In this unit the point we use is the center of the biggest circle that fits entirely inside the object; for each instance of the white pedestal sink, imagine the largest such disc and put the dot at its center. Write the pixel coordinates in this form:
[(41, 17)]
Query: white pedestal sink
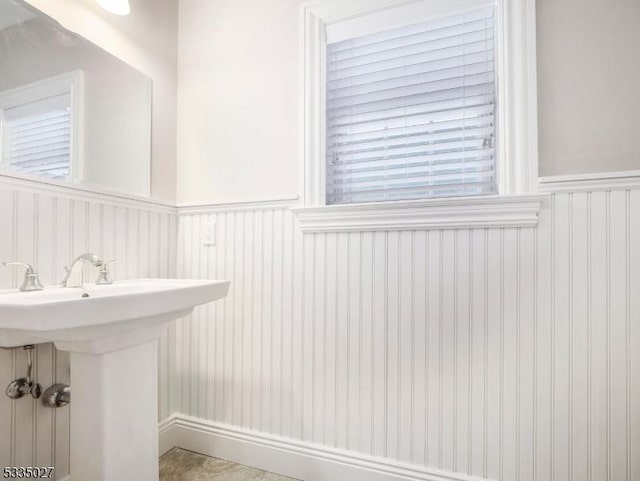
[(112, 337)]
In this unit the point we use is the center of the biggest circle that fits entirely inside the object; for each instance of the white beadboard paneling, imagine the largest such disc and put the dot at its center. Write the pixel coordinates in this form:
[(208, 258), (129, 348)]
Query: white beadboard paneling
[(502, 353), (47, 227), (366, 344), (579, 325), (379, 320), (561, 335), (478, 360), (448, 349), (406, 329), (618, 332), (434, 348), (633, 341), (599, 368), (541, 415)]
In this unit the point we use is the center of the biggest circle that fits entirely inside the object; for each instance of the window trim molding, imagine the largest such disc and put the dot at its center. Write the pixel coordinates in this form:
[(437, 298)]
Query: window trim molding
[(517, 119), (517, 97), (442, 213), (72, 82)]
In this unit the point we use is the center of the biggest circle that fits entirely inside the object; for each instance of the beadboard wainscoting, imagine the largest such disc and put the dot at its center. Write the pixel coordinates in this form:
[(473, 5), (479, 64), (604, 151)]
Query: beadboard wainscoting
[(48, 226), (501, 353)]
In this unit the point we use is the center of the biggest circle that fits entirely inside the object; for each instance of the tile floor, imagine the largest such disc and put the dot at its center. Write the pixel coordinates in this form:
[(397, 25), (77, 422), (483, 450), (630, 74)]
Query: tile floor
[(181, 465)]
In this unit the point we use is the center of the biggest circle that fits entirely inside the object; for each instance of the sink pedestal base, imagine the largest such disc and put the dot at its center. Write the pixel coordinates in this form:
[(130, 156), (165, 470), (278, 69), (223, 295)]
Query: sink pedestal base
[(111, 333), (114, 414)]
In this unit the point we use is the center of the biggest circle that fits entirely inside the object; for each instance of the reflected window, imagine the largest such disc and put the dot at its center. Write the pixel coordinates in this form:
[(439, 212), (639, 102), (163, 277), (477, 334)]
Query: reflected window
[(37, 128)]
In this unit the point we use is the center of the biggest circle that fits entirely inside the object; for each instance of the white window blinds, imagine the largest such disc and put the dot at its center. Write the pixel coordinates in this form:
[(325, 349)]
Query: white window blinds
[(411, 112), (36, 137)]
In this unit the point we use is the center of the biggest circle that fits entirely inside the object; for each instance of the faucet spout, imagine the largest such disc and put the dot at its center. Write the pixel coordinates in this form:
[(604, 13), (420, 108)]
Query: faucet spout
[(92, 259)]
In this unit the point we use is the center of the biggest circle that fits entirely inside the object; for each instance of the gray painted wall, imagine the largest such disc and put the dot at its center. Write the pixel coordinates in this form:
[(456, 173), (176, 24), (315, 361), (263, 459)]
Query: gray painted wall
[(588, 78)]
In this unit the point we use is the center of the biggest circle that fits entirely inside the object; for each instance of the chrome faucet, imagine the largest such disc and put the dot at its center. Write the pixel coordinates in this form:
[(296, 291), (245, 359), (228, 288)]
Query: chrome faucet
[(92, 259)]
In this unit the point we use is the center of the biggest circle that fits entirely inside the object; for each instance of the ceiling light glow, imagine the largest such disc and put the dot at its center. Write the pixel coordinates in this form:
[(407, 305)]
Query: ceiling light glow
[(117, 7)]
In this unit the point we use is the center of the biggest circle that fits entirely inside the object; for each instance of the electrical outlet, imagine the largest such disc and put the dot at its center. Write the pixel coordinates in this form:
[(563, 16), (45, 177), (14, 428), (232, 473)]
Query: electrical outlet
[(210, 234)]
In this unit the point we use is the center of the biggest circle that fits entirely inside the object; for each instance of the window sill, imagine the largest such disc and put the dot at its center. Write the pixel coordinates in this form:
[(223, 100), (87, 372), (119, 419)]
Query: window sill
[(447, 213)]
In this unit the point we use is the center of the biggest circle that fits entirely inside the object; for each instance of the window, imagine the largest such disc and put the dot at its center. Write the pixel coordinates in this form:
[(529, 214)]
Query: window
[(411, 112), (37, 128), (36, 137), (405, 134)]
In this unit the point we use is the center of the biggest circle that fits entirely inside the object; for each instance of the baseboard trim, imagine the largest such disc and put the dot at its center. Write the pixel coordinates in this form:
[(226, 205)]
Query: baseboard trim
[(290, 457), (167, 435)]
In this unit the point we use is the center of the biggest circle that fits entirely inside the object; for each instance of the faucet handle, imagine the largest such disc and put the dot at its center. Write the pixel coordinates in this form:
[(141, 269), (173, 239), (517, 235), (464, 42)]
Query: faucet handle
[(29, 267), (104, 276), (31, 281)]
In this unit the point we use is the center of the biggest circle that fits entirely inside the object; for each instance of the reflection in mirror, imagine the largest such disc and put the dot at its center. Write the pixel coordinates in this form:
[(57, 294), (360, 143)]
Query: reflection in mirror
[(39, 127), (69, 111)]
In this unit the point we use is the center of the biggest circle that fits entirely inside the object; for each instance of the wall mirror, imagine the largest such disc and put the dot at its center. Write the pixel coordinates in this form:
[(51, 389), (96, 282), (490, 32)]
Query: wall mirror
[(69, 111)]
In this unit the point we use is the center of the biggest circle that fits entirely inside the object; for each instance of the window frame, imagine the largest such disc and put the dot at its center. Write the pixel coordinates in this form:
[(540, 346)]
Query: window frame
[(70, 82), (516, 123)]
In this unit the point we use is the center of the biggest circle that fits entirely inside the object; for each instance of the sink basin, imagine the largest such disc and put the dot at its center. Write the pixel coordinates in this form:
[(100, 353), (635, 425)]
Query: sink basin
[(112, 316), (111, 333)]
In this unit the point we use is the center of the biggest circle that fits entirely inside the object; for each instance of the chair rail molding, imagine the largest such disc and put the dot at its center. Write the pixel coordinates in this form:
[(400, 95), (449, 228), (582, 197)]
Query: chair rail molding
[(83, 193), (605, 181), (277, 203)]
